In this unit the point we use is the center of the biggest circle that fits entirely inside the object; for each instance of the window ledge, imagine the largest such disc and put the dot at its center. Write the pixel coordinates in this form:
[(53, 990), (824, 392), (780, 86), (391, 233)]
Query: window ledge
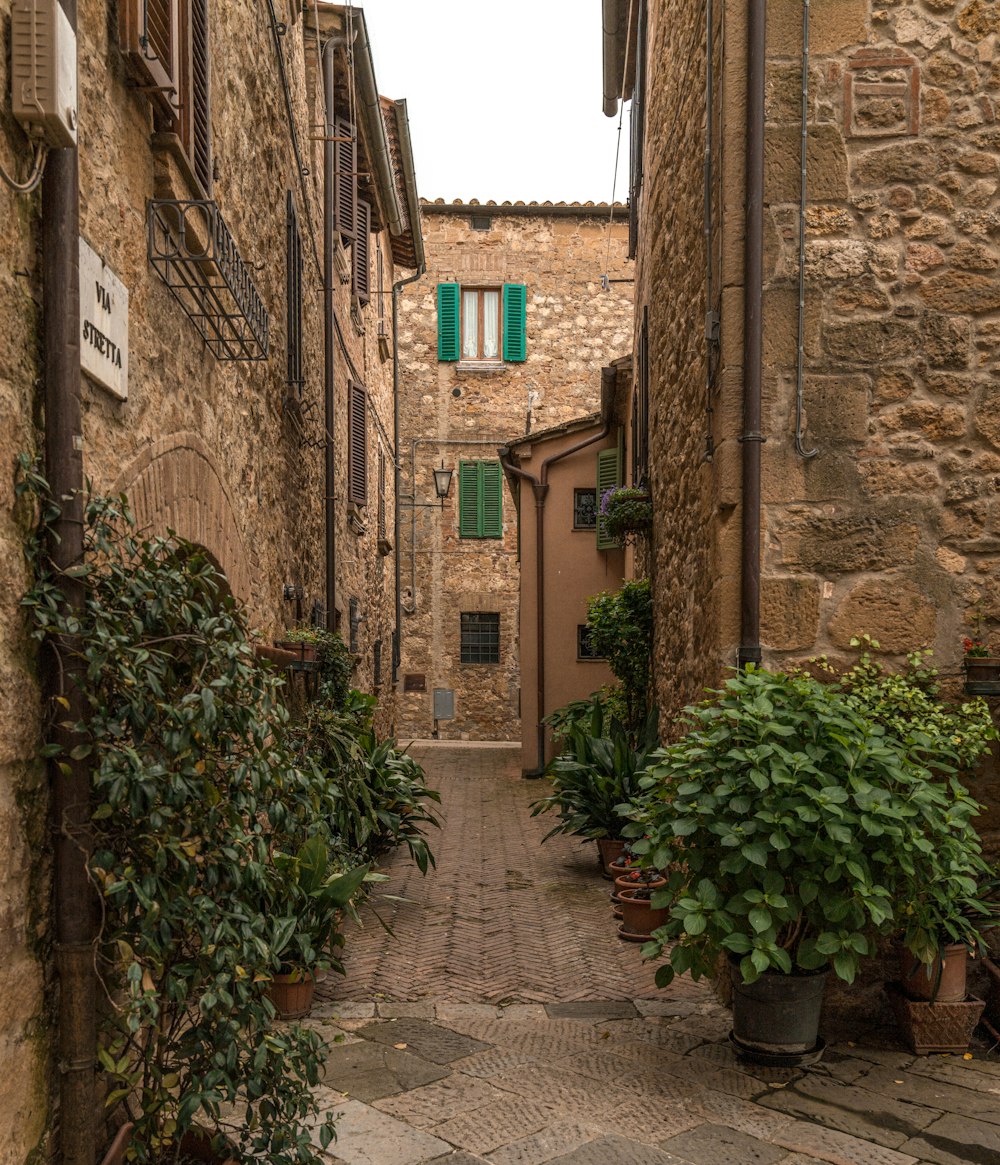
[(486, 366), (173, 177)]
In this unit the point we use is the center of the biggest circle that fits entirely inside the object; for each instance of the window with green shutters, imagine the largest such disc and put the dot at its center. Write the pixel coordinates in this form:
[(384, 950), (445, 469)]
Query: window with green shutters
[(480, 486), (608, 476), (452, 327)]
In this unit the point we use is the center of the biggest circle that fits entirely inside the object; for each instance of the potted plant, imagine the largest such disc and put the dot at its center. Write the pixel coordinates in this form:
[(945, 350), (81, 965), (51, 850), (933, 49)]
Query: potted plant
[(625, 511), (982, 667), (592, 777), (318, 893), (806, 830), (635, 894)]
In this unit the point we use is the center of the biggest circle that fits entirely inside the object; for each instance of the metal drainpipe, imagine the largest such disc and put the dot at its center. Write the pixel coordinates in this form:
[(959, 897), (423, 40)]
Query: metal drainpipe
[(540, 488), (329, 337), (74, 906), (753, 289), (397, 524)]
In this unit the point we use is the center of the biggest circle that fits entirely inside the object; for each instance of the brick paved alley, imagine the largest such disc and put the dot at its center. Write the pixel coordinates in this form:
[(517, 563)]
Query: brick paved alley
[(503, 1022)]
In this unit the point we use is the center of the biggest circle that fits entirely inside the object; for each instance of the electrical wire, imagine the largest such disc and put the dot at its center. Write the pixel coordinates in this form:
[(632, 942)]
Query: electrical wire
[(34, 179)]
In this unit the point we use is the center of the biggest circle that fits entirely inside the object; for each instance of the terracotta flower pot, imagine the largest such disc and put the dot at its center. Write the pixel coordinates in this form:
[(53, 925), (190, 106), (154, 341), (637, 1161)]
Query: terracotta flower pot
[(639, 919), (292, 995), (935, 1027), (943, 981), (305, 651), (608, 849)]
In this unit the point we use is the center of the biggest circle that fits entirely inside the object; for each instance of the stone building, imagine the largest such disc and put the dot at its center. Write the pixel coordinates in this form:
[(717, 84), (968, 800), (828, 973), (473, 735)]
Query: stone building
[(877, 433), (505, 338), (207, 393)]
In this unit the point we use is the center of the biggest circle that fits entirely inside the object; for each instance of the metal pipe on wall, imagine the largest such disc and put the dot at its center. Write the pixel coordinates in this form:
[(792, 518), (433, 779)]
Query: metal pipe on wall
[(753, 338), (329, 336), (74, 905)]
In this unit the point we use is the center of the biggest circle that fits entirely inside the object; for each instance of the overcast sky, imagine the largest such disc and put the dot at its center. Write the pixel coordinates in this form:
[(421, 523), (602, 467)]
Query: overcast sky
[(504, 98)]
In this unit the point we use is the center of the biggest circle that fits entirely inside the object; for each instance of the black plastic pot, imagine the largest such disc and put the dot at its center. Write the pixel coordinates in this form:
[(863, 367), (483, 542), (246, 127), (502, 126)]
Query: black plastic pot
[(776, 1018)]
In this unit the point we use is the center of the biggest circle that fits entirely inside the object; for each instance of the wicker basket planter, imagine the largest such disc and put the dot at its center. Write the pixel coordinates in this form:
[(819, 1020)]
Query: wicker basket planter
[(934, 1027)]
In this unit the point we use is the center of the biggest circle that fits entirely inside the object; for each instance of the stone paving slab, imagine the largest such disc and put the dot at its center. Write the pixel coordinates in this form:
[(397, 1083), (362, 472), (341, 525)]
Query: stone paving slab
[(531, 1036), (717, 1145)]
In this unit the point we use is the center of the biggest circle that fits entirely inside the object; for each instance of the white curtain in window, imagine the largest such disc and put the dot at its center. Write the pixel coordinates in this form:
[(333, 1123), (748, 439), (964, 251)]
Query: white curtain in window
[(470, 325), (491, 324)]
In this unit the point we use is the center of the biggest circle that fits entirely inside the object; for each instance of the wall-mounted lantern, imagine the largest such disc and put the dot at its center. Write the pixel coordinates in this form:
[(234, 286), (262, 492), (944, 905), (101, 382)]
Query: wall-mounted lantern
[(442, 482)]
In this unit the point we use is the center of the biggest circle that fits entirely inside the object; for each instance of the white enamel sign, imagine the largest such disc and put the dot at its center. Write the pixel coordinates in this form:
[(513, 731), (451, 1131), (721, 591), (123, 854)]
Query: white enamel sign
[(103, 324)]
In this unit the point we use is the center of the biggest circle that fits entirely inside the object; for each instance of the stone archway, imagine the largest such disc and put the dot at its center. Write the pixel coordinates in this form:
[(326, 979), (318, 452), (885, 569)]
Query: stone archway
[(175, 484)]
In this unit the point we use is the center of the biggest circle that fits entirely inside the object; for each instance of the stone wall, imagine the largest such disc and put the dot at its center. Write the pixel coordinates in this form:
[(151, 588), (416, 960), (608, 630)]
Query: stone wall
[(206, 448), (689, 589), (452, 413)]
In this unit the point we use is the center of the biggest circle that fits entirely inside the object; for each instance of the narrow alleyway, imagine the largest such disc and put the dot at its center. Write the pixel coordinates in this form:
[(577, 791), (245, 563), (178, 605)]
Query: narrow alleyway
[(504, 1022)]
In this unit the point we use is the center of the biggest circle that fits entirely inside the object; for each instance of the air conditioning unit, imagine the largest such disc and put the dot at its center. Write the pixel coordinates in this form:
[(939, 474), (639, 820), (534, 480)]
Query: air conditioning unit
[(43, 71)]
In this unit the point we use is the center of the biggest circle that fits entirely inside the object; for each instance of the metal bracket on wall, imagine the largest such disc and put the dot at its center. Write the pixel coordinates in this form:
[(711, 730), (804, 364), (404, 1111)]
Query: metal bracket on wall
[(190, 248)]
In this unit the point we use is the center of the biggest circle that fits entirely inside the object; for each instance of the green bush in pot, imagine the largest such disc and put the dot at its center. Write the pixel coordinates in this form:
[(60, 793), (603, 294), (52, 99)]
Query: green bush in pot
[(803, 824)]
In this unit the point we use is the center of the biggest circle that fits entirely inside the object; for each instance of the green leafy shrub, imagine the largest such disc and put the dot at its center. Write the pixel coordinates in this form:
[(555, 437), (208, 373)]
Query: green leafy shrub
[(378, 794), (621, 630), (335, 662), (194, 792), (806, 830), (597, 771)]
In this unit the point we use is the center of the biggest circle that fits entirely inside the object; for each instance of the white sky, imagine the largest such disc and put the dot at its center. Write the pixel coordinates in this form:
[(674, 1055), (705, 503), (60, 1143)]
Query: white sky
[(504, 97)]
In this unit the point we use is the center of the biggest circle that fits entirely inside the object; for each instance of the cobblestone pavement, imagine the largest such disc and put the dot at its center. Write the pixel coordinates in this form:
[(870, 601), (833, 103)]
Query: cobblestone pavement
[(506, 1024)]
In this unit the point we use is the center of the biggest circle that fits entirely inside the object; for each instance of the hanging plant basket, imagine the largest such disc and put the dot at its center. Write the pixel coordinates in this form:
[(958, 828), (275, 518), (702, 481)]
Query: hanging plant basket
[(625, 513)]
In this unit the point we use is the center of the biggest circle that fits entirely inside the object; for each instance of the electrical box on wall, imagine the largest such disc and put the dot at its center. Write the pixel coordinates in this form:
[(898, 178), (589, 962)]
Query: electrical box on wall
[(43, 71)]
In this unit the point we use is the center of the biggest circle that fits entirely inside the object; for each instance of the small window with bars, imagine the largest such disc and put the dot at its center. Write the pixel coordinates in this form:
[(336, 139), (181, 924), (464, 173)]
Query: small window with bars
[(293, 274), (585, 509), (377, 663), (584, 646), (480, 641)]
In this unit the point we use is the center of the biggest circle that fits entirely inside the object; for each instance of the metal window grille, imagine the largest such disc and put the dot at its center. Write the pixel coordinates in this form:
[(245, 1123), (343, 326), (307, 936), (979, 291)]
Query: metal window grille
[(585, 509), (293, 260), (481, 222), (480, 637), (584, 647)]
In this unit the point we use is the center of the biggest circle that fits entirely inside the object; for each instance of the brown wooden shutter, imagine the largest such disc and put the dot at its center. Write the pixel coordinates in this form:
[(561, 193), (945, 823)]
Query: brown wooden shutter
[(357, 443), (196, 111), (345, 182), (382, 523), (362, 253), (149, 34)]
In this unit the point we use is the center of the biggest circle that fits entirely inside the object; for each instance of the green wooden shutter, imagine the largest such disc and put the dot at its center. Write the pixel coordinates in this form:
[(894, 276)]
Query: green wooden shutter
[(490, 499), (608, 476), (515, 329), (468, 499), (448, 345)]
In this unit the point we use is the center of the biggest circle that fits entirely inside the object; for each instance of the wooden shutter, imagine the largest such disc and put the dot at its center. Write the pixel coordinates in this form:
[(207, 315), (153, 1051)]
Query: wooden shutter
[(361, 259), (608, 476), (468, 499), (196, 121), (490, 497), (293, 294), (357, 443), (149, 34), (448, 333), (345, 180), (382, 523), (514, 323)]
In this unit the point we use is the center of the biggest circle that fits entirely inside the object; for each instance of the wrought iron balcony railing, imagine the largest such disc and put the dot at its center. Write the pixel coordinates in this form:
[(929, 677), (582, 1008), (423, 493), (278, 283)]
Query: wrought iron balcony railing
[(191, 249)]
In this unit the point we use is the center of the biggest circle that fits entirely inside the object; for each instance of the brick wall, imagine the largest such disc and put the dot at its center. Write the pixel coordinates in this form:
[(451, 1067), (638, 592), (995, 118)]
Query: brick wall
[(573, 328)]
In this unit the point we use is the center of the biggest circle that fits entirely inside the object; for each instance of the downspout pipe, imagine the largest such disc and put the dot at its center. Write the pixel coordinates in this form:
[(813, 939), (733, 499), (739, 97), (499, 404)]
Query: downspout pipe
[(329, 337), (74, 904), (753, 344), (540, 488), (397, 520)]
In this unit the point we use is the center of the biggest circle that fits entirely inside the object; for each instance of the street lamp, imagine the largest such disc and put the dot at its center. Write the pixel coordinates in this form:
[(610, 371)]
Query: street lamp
[(442, 482)]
